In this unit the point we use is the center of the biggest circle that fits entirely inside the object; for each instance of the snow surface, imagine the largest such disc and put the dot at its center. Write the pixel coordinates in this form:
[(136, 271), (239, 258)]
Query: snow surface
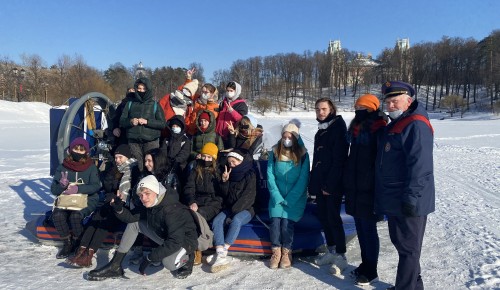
[(461, 245)]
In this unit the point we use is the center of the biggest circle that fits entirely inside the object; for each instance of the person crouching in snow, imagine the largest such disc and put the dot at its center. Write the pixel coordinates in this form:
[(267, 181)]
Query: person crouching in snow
[(287, 177), (166, 222), (76, 175), (238, 190)]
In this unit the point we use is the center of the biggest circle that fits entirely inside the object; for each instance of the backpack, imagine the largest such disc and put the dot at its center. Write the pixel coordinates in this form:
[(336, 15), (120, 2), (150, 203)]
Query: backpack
[(205, 234)]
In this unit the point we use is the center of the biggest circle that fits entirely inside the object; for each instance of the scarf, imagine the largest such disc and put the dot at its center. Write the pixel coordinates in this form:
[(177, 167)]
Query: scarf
[(77, 166), (239, 172), (126, 168), (326, 122)]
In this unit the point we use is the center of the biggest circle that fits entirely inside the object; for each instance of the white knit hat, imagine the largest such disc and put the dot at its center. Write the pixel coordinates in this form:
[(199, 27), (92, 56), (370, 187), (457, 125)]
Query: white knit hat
[(292, 128), (150, 182)]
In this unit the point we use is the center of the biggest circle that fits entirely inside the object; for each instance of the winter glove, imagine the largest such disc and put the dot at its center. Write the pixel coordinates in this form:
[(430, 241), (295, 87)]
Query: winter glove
[(109, 197), (408, 210), (64, 182), (72, 189), (144, 264), (117, 205)]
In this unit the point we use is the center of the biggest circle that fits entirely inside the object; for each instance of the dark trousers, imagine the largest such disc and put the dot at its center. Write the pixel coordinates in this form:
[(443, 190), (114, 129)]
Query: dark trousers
[(369, 243), (103, 221), (66, 219), (281, 232), (329, 215), (406, 235)]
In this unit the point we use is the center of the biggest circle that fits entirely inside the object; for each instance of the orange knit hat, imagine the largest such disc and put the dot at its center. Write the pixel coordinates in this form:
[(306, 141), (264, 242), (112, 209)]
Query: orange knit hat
[(368, 101), (210, 149)]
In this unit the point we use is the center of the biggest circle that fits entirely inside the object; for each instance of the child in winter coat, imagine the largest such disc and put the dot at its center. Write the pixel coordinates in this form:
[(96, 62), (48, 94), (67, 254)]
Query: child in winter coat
[(238, 190), (206, 133), (287, 177), (177, 146), (76, 175), (203, 187), (117, 183)]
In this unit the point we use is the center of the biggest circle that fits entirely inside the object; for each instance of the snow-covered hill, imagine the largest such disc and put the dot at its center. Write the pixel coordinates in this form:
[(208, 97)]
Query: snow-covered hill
[(461, 246)]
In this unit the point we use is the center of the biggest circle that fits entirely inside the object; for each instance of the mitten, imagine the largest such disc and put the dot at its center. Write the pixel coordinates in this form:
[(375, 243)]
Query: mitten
[(72, 189), (408, 209), (64, 182), (109, 197)]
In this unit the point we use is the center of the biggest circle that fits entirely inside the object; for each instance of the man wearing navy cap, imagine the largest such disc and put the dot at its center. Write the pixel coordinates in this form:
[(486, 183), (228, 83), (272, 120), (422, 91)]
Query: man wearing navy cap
[(404, 181)]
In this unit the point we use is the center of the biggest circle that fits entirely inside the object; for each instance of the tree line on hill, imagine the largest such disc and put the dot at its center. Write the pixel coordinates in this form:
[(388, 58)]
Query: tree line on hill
[(466, 71)]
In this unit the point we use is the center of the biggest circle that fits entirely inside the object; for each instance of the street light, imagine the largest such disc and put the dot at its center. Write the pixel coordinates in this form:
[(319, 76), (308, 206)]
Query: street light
[(140, 71), (19, 76)]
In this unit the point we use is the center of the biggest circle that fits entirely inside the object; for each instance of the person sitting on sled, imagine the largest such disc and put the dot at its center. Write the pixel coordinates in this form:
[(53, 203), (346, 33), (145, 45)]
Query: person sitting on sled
[(117, 183), (238, 190), (76, 175), (166, 222)]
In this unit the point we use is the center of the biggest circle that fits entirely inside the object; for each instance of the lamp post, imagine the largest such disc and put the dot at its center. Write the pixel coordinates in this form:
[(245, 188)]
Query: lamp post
[(19, 76), (139, 71)]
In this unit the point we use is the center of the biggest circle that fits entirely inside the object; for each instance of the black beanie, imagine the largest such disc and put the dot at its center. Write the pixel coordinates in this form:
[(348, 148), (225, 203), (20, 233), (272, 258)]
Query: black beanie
[(175, 121), (124, 150)]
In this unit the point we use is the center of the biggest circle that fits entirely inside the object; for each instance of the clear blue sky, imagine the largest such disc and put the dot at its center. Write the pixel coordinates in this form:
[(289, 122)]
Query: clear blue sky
[(216, 33)]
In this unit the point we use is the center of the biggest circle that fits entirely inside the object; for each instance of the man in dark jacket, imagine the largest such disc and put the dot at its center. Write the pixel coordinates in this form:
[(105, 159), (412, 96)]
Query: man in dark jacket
[(168, 223), (330, 153), (143, 120), (404, 179)]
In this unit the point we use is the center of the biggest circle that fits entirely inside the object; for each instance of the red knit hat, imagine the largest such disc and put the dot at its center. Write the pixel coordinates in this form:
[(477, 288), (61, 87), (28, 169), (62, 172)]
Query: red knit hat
[(204, 116), (368, 101)]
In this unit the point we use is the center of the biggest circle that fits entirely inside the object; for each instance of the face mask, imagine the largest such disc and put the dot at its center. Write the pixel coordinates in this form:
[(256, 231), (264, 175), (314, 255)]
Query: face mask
[(77, 156), (186, 92), (176, 130), (231, 94), (287, 143), (141, 94), (361, 114), (204, 163), (204, 96), (395, 114)]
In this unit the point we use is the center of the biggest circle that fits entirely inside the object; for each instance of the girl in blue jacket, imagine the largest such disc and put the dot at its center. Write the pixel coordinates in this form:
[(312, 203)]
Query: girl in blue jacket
[(287, 178)]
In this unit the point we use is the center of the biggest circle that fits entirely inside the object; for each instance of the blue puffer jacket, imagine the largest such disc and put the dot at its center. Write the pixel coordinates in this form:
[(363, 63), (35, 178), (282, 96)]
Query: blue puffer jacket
[(404, 165), (287, 185)]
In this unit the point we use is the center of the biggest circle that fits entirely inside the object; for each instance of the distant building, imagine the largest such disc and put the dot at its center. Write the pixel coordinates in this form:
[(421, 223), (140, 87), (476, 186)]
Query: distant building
[(403, 44)]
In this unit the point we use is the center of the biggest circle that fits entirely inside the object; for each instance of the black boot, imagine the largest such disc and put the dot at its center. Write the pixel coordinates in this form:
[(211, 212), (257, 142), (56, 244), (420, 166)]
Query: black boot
[(66, 249), (112, 270), (186, 270)]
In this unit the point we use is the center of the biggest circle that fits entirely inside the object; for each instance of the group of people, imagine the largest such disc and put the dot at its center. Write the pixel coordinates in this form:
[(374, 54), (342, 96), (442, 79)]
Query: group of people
[(194, 153)]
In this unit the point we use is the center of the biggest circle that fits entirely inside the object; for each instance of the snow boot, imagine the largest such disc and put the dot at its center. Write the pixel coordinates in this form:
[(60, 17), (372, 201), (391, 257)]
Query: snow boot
[(220, 260), (197, 258), (275, 258), (66, 249), (339, 264), (85, 260), (111, 270), (368, 276), (286, 258), (186, 270), (73, 261)]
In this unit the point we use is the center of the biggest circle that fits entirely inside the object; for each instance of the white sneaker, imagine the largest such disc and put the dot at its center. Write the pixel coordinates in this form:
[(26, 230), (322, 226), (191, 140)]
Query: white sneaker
[(324, 259), (221, 263), (339, 264)]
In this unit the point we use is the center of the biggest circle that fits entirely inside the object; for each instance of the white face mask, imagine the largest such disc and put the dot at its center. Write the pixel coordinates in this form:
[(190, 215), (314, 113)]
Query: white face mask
[(176, 130), (204, 96), (395, 114), (287, 143), (231, 94)]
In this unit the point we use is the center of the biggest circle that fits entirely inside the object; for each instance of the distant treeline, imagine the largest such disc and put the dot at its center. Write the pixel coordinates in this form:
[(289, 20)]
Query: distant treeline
[(452, 66)]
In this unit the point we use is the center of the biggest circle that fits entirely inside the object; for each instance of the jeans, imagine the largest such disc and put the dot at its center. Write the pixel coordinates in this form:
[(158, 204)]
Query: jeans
[(369, 243), (281, 232), (232, 227)]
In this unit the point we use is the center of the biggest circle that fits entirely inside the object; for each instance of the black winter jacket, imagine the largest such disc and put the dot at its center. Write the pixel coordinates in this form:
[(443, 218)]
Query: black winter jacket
[(359, 172), (171, 221), (239, 195), (177, 146), (204, 192), (330, 153)]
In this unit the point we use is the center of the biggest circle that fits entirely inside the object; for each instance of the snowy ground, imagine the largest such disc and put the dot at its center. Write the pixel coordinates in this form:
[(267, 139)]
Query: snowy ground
[(461, 246)]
